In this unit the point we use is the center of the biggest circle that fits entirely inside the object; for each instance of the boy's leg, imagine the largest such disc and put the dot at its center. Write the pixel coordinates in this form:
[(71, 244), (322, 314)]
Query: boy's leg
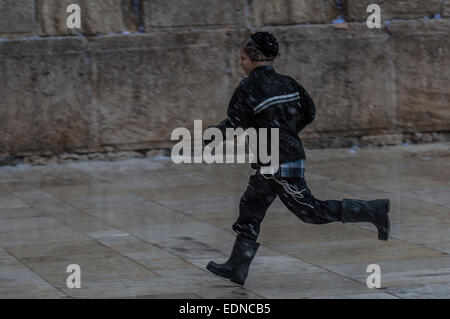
[(252, 209), (297, 197), (253, 206)]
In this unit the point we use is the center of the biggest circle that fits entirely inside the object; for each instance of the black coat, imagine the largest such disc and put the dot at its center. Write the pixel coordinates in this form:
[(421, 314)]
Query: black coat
[(267, 99)]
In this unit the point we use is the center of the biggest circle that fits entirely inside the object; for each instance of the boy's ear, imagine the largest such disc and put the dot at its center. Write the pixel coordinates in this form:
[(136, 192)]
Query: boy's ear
[(248, 32)]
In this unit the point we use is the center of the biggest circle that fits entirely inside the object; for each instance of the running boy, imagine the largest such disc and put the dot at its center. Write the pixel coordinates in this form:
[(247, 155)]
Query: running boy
[(267, 99)]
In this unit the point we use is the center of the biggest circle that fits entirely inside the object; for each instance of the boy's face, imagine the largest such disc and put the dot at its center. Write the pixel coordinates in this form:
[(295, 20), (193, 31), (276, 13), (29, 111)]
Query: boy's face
[(247, 64)]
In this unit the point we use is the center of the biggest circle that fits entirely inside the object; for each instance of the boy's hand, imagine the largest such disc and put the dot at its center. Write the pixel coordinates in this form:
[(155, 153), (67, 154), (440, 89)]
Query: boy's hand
[(208, 141)]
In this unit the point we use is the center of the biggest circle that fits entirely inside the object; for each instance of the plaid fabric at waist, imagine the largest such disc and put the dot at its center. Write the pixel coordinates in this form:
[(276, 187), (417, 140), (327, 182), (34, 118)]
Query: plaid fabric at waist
[(291, 169)]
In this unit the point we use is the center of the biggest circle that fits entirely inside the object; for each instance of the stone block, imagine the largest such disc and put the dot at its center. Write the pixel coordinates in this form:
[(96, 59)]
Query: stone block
[(445, 8), (194, 13), (356, 10), (346, 71), (149, 84), (421, 55), (16, 18), (46, 104), (97, 17), (379, 140), (285, 12)]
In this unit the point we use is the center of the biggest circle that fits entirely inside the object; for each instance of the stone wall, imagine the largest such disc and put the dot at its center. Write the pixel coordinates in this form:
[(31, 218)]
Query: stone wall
[(137, 69)]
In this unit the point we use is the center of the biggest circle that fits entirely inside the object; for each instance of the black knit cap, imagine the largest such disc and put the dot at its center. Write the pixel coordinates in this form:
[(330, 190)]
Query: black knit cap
[(266, 43)]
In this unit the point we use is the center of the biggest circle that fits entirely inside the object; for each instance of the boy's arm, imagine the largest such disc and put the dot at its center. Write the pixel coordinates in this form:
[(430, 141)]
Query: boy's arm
[(240, 114), (308, 109)]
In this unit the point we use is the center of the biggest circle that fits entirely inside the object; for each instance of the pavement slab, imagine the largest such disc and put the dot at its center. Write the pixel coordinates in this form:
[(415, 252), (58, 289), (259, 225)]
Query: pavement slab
[(146, 229)]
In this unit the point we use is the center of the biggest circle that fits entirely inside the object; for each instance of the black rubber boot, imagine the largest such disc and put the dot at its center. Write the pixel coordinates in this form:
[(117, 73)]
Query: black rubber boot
[(237, 266), (375, 212)]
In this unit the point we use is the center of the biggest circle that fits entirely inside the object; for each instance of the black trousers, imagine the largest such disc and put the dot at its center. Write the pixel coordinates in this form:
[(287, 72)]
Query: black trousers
[(293, 192)]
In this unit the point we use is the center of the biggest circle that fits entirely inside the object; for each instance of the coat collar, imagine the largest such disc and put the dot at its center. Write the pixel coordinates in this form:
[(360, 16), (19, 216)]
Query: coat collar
[(261, 69)]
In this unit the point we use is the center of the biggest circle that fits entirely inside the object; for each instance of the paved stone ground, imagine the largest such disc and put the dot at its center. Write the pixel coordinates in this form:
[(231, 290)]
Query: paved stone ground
[(146, 228)]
